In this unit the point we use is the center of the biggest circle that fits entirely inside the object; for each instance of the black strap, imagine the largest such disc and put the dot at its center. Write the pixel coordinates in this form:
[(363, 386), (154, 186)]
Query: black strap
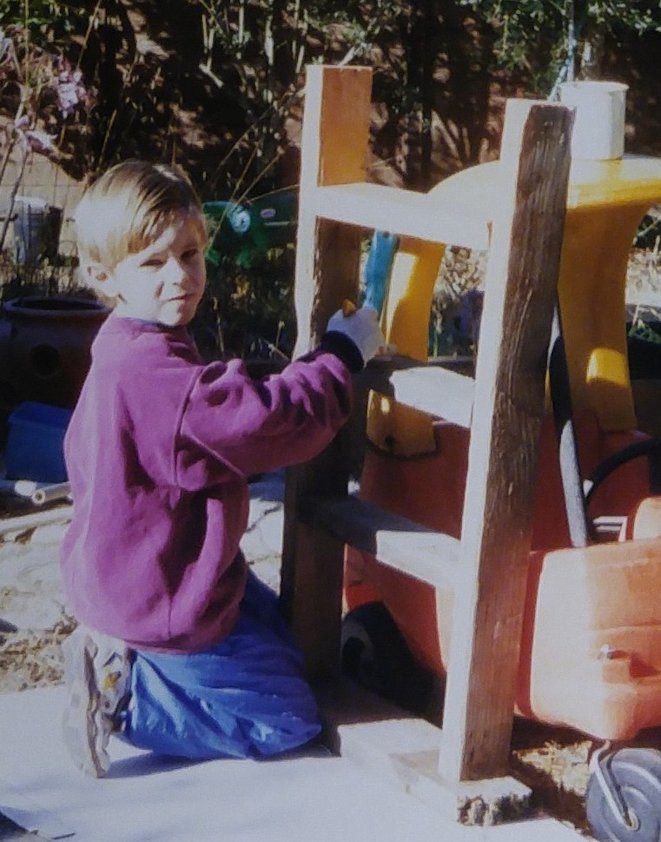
[(570, 471), (646, 447)]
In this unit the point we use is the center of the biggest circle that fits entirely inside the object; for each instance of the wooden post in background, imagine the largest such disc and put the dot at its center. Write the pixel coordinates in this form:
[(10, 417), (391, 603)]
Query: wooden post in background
[(334, 145), (334, 151)]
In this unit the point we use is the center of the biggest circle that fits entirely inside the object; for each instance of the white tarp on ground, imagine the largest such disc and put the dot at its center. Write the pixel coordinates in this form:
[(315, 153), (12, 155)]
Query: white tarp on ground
[(311, 796)]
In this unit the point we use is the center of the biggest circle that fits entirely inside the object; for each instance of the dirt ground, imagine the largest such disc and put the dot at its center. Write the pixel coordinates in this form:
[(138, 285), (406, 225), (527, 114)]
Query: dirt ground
[(33, 620)]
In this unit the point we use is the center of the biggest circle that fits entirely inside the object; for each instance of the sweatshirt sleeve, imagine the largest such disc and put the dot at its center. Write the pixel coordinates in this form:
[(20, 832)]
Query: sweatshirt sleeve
[(232, 422)]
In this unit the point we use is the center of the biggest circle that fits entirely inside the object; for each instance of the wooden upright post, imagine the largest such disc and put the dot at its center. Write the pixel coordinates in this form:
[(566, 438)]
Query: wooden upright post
[(334, 151), (520, 292)]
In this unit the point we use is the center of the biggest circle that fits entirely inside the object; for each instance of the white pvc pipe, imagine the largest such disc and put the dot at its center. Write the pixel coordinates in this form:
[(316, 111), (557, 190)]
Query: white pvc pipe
[(20, 487), (50, 493)]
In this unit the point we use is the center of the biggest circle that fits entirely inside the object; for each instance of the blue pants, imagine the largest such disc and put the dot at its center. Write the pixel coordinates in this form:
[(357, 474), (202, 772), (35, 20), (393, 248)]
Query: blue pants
[(243, 697)]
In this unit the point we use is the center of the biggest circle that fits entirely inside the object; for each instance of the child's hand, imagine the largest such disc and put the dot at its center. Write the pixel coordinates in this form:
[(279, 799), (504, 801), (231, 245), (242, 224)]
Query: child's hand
[(362, 328)]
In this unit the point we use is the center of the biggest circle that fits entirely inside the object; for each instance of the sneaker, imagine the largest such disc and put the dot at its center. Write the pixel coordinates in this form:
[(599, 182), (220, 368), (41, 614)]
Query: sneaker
[(98, 674)]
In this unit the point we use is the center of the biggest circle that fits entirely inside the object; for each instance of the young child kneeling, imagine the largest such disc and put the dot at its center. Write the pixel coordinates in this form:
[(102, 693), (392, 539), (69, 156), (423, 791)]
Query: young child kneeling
[(180, 649)]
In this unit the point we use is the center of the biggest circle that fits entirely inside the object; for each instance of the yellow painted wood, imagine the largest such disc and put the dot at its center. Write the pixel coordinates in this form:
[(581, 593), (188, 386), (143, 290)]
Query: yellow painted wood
[(328, 253)]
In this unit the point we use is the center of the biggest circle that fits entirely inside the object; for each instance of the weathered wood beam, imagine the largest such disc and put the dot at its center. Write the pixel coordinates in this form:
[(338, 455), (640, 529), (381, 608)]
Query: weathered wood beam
[(520, 293), (396, 541)]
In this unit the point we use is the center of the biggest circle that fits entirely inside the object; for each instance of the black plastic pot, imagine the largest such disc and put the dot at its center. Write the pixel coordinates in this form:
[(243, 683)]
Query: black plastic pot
[(45, 347)]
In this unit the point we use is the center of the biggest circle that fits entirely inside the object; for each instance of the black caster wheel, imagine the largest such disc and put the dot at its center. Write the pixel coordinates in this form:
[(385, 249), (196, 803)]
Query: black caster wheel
[(623, 801), (376, 656)]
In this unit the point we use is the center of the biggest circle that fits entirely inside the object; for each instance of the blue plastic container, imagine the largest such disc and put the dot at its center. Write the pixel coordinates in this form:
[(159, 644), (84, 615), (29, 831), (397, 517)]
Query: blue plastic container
[(35, 443)]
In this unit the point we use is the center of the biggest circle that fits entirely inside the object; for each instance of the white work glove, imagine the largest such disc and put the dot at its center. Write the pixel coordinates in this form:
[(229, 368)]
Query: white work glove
[(362, 328)]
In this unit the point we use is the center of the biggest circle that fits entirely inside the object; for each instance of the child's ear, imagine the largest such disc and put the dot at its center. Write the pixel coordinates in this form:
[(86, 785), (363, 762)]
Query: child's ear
[(98, 277)]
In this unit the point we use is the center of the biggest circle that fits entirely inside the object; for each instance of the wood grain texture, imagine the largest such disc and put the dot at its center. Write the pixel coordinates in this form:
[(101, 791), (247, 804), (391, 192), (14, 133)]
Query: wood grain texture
[(403, 212), (333, 151), (505, 408), (521, 288), (396, 541)]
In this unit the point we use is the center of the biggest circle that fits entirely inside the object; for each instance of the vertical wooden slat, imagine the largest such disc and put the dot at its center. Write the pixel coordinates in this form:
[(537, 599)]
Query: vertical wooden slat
[(313, 567), (334, 142), (520, 290), (334, 151)]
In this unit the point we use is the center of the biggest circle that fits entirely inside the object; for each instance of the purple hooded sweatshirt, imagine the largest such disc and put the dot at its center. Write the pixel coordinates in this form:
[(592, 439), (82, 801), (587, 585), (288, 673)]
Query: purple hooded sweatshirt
[(158, 453)]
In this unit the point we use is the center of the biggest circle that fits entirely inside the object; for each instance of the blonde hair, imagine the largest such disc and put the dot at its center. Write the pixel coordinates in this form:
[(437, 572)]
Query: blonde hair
[(129, 207)]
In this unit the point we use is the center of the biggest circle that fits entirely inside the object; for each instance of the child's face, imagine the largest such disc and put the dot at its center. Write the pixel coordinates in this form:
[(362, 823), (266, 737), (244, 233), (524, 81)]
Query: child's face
[(165, 281)]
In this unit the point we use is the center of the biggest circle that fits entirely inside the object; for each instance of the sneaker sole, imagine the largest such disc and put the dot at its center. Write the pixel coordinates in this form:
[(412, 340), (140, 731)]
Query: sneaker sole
[(82, 728)]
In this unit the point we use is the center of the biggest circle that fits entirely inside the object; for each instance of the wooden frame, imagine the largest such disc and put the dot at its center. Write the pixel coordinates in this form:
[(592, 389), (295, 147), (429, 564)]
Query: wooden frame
[(487, 568)]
